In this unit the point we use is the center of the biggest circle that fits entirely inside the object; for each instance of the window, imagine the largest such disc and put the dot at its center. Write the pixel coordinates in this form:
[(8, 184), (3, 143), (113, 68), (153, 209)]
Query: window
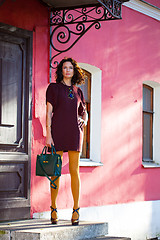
[(93, 157), (86, 88), (147, 123), (151, 120)]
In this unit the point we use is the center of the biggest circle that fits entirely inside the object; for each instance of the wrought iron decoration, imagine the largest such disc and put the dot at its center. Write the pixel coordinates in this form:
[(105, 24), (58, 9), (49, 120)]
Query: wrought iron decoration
[(69, 25)]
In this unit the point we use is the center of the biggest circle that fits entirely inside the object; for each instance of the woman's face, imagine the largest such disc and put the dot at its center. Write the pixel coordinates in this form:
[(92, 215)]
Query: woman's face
[(67, 70)]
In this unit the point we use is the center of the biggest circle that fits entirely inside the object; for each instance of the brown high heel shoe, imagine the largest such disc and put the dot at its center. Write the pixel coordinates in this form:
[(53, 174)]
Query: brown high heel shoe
[(75, 222), (53, 220)]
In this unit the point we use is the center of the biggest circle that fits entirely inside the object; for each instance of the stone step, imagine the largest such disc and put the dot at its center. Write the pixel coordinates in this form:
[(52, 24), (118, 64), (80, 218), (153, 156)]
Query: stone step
[(39, 229), (110, 238)]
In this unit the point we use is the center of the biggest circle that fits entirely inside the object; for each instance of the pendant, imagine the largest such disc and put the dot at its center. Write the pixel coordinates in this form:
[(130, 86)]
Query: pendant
[(70, 95)]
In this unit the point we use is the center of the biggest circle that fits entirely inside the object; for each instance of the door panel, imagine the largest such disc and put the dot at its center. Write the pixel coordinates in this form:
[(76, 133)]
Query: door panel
[(11, 88), (15, 65), (8, 187)]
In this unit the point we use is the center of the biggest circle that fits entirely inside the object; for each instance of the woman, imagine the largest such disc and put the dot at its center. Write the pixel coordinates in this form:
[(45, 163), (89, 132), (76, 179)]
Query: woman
[(65, 118)]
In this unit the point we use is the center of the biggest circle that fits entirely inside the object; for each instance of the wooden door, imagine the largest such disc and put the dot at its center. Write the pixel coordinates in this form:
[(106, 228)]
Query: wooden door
[(15, 79)]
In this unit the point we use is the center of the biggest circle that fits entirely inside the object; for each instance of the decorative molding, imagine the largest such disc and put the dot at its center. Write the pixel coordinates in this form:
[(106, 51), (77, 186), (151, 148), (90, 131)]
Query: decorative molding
[(145, 8)]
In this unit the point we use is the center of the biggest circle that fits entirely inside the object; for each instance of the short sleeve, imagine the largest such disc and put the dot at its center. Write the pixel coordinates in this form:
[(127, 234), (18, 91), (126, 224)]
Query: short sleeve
[(51, 94), (82, 106)]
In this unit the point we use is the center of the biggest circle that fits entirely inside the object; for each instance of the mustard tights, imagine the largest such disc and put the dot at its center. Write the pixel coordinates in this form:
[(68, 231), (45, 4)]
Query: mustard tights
[(75, 181)]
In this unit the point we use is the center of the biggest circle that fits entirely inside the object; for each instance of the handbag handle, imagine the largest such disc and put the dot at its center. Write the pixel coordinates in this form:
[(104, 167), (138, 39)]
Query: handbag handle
[(44, 151), (53, 148), (51, 181)]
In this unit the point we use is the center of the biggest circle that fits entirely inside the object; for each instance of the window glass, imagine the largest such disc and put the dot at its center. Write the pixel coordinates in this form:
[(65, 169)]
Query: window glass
[(147, 143), (86, 88), (147, 98), (147, 123)]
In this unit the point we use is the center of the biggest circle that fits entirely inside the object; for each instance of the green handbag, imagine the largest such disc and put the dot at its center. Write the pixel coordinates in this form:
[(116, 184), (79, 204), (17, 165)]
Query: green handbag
[(49, 165)]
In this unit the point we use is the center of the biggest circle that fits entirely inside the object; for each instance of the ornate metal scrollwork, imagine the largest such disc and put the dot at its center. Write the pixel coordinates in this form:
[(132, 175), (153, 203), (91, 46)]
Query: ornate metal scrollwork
[(68, 26)]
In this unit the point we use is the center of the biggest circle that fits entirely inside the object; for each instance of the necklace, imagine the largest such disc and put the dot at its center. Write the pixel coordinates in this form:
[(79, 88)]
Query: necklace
[(70, 94)]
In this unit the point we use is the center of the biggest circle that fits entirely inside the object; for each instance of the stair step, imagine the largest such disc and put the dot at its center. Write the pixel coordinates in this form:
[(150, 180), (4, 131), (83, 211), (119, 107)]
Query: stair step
[(40, 229), (110, 238)]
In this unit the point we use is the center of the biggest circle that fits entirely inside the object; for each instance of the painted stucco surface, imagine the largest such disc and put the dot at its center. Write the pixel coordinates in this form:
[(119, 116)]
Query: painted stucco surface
[(127, 52), (154, 2)]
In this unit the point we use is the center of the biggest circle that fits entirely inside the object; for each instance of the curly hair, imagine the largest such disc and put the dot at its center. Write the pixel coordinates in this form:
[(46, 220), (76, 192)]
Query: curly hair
[(78, 77)]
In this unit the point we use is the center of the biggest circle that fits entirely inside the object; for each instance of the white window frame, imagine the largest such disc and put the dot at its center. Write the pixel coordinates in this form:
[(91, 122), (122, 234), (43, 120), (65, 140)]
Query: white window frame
[(95, 116), (156, 121)]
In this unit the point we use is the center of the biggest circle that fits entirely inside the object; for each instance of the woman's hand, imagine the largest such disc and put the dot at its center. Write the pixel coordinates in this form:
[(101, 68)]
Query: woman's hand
[(82, 121), (49, 139)]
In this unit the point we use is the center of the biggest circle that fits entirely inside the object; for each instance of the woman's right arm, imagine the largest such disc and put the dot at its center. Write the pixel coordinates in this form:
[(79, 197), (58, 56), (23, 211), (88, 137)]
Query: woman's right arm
[(49, 109)]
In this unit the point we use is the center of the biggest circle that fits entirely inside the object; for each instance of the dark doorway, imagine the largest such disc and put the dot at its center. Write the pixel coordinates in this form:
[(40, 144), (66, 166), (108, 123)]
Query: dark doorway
[(15, 122)]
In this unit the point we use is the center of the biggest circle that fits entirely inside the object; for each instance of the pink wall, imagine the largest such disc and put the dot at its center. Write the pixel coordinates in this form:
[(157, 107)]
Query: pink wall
[(127, 52), (154, 2)]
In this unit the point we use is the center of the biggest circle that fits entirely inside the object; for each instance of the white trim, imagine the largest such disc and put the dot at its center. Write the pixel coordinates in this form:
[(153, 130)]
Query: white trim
[(95, 116), (144, 8), (89, 163), (156, 128), (137, 220), (150, 165)]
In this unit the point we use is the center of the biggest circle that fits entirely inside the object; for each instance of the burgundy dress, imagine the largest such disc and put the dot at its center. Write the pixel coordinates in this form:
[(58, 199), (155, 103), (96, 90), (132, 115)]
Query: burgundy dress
[(66, 132)]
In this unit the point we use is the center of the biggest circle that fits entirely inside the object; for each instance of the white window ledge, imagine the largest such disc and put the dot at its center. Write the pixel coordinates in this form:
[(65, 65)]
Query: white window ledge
[(150, 165), (89, 163)]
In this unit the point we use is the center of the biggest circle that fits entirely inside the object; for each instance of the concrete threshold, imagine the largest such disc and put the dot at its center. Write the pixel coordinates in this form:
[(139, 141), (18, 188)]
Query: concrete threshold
[(110, 238), (42, 229)]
